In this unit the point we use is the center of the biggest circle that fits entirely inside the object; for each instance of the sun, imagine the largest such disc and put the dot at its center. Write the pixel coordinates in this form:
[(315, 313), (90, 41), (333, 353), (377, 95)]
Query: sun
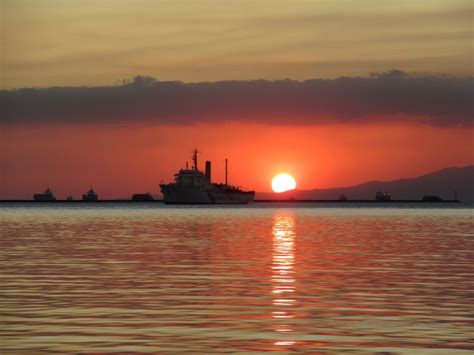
[(283, 182)]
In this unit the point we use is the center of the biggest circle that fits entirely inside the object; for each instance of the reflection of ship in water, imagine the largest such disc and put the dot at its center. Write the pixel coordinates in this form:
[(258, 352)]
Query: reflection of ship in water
[(283, 278), (90, 195), (192, 186), (47, 195)]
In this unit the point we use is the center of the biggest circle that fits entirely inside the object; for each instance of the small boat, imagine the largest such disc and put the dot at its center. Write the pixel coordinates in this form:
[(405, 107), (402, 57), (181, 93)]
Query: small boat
[(47, 195), (142, 197), (90, 195)]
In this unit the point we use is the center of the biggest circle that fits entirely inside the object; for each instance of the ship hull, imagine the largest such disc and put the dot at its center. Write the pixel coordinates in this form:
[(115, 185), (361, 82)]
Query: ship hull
[(234, 199), (185, 195), (43, 198), (194, 196), (89, 199)]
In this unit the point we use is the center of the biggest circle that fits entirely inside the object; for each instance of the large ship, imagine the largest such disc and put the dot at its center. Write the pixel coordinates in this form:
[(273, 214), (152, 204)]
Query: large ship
[(192, 186)]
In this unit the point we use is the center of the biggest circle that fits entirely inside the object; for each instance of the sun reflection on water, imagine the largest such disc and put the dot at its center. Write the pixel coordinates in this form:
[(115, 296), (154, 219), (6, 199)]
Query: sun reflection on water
[(283, 280)]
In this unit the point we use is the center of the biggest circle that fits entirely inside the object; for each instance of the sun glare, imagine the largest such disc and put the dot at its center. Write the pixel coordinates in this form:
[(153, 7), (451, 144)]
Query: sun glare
[(283, 182)]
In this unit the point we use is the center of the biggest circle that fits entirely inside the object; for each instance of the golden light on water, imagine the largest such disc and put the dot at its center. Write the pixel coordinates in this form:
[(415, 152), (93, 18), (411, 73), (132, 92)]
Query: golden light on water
[(283, 277)]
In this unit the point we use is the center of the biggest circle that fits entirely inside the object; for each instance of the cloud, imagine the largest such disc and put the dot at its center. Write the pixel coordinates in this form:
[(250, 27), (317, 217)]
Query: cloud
[(381, 97)]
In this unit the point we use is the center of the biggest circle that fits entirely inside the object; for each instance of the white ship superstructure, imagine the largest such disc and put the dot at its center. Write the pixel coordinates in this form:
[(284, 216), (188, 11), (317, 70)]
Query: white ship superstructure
[(192, 186)]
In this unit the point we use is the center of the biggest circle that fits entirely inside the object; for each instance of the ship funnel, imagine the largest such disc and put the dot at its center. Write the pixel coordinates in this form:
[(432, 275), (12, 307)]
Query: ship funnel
[(208, 170)]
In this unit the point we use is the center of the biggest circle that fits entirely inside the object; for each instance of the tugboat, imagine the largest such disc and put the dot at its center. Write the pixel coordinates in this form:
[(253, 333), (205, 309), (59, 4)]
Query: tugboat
[(47, 195), (90, 196), (192, 186)]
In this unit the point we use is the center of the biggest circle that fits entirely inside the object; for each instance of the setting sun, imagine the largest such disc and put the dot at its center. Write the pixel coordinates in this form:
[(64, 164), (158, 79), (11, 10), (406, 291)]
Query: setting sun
[(283, 182)]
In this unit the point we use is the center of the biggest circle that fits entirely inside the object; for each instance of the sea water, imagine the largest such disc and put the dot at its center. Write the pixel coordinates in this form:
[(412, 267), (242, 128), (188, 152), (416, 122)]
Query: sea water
[(278, 277)]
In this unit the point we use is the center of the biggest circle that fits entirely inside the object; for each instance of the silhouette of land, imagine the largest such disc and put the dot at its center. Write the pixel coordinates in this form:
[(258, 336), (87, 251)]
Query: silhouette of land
[(449, 184)]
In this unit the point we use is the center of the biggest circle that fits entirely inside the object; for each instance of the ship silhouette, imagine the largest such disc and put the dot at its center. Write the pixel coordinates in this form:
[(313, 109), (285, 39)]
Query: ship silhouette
[(146, 197), (47, 195), (90, 195), (192, 186)]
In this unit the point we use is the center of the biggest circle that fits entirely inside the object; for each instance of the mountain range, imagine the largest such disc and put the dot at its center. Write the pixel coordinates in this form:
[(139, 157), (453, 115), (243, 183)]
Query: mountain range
[(447, 183)]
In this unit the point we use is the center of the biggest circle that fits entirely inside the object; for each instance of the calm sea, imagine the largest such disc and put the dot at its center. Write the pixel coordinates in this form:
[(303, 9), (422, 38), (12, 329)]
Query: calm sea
[(310, 278)]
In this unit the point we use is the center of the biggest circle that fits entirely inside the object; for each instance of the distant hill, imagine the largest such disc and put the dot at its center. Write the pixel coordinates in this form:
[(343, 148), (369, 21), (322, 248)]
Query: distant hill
[(441, 183)]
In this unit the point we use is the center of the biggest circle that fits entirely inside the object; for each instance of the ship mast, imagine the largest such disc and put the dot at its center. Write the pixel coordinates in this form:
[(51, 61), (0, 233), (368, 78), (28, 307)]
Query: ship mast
[(195, 158), (226, 172)]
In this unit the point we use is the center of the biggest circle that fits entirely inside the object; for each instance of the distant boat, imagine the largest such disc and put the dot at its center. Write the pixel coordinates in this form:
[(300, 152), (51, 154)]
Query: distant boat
[(47, 195), (432, 198), (384, 197), (90, 195), (192, 186), (142, 197), (69, 198), (343, 197)]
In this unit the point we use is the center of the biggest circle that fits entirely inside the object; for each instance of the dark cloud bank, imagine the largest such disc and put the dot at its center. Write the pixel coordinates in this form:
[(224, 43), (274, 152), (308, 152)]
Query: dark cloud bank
[(381, 97)]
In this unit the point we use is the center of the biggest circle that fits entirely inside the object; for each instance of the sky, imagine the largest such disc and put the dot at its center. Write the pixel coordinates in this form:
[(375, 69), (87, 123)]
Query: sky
[(70, 43), (116, 94)]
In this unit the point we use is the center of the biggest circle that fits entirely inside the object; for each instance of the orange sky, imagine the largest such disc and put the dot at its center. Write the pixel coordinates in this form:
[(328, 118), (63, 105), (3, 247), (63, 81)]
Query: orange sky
[(121, 160), (89, 127)]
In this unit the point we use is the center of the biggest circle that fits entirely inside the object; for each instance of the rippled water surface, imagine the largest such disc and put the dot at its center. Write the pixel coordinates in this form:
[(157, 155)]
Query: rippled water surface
[(147, 278)]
